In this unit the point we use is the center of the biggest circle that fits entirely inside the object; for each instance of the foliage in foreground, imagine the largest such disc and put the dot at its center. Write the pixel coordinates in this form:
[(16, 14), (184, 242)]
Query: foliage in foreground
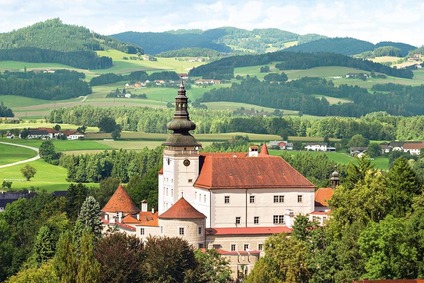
[(375, 232)]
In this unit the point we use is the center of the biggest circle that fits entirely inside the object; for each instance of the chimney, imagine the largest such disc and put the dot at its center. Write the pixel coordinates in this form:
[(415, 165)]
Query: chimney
[(288, 218), (144, 205), (253, 151)]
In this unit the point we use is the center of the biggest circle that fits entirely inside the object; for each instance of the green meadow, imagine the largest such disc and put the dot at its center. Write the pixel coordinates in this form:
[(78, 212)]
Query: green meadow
[(11, 154), (48, 177), (340, 158)]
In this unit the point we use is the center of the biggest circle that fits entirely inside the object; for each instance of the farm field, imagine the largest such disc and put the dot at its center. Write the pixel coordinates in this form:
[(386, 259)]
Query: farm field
[(41, 124), (340, 158), (62, 145), (335, 73), (48, 177), (11, 154)]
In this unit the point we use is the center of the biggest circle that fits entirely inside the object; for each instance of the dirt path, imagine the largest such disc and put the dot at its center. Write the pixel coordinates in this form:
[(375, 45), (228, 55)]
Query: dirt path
[(22, 161)]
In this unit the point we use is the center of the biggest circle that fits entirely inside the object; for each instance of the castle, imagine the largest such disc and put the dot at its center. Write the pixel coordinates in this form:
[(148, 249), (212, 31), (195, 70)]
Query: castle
[(227, 201)]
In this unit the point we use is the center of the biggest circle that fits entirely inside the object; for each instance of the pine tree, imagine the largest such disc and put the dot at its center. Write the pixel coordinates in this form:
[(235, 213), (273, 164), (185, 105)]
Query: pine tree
[(90, 215), (44, 246), (403, 185), (88, 267), (65, 262)]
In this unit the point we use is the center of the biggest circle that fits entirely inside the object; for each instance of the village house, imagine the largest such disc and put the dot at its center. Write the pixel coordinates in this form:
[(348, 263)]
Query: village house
[(283, 145), (319, 147), (207, 82), (227, 201), (49, 133), (413, 148)]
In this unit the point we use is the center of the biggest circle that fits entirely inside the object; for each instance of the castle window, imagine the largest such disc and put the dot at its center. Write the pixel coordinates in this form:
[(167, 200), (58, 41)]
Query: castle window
[(260, 247), (278, 198), (233, 247), (299, 198), (227, 199), (278, 219), (142, 231), (256, 220), (200, 245), (238, 220), (190, 180), (200, 230), (252, 199), (181, 231), (245, 247)]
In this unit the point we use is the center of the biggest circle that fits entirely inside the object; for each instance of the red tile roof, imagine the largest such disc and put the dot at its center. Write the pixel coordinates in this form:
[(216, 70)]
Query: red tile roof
[(245, 253), (413, 145), (148, 219), (120, 225), (319, 213), (249, 230), (182, 209), (226, 171), (264, 150), (323, 195), (120, 202)]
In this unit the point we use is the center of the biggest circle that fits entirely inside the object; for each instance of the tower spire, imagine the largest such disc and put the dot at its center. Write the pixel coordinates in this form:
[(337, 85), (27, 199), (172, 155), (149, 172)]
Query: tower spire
[(181, 124)]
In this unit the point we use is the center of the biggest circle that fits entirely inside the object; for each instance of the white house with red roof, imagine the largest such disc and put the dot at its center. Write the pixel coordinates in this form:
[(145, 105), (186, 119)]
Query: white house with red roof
[(228, 201)]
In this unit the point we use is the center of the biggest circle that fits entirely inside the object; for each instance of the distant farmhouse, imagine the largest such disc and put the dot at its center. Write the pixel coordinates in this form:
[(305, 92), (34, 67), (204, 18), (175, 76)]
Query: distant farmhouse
[(283, 145), (319, 147), (49, 133), (413, 148)]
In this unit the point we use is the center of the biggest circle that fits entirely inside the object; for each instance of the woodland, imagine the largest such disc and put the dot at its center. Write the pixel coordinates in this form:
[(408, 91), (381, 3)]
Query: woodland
[(377, 221)]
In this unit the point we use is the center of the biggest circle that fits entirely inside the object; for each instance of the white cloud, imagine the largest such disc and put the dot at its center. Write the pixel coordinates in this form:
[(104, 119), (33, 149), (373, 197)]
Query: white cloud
[(377, 20)]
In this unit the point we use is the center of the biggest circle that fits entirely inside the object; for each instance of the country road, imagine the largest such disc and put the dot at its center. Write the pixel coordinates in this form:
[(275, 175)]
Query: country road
[(22, 161)]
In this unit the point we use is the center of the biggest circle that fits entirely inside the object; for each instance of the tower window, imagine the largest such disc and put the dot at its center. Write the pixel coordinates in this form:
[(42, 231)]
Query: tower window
[(238, 220), (227, 199), (233, 247), (142, 231), (252, 199), (299, 198), (181, 231), (256, 220)]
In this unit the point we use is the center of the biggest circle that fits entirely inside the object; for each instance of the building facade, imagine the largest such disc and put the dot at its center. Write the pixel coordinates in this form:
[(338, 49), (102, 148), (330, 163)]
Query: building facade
[(228, 201)]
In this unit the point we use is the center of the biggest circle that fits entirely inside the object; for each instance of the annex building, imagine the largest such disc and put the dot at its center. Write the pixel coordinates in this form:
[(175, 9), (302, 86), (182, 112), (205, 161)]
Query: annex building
[(228, 201)]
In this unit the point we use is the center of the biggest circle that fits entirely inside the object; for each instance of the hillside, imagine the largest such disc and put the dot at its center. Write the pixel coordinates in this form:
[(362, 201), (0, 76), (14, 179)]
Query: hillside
[(226, 39), (53, 34), (224, 68), (54, 42), (349, 46)]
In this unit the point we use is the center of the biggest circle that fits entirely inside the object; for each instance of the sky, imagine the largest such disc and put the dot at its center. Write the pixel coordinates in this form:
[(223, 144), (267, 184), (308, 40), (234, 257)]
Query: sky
[(370, 20)]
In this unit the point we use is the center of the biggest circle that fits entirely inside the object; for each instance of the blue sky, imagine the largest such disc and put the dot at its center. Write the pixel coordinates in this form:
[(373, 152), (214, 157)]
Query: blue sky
[(371, 20)]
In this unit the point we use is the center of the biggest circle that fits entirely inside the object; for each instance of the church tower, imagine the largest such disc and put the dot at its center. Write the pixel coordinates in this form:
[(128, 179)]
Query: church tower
[(180, 157)]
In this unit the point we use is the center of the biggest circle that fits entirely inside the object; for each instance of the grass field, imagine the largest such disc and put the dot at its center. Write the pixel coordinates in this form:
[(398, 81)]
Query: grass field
[(11, 154), (48, 177), (340, 158)]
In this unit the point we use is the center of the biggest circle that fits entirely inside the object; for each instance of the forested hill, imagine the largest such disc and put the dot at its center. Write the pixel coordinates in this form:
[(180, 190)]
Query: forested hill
[(226, 39), (54, 35), (285, 60), (348, 46)]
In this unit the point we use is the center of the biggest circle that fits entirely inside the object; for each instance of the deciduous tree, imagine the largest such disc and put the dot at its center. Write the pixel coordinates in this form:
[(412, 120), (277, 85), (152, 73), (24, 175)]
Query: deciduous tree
[(28, 172)]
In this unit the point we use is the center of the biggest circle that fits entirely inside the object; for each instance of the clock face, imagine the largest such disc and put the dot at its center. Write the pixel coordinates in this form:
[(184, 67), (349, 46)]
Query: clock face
[(186, 162)]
